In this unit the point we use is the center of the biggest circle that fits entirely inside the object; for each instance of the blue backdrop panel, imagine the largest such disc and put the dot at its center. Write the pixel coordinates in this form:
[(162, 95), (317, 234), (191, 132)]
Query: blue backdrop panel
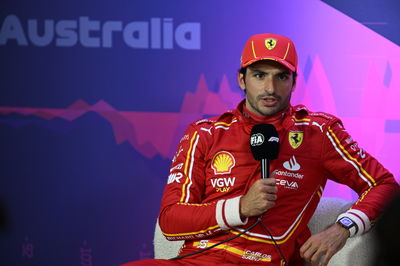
[(94, 97)]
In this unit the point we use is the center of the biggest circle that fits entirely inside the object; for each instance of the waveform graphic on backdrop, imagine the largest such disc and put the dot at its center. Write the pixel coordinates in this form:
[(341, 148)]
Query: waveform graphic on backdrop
[(315, 92), (137, 128)]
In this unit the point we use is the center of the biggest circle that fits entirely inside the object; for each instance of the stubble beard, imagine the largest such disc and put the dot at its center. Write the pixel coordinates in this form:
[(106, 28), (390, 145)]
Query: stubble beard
[(271, 110)]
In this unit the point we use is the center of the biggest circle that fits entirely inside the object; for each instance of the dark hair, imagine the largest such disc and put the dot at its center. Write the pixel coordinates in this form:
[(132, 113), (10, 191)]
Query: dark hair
[(243, 71)]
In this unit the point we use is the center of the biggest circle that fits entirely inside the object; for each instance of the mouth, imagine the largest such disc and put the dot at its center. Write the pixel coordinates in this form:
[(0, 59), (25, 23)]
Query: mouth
[(269, 101)]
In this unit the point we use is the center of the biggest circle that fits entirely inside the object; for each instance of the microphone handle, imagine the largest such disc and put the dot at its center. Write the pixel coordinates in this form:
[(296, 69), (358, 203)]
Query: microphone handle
[(264, 168)]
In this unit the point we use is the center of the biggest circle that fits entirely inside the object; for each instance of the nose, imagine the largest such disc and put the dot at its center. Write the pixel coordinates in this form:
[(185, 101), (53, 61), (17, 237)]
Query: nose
[(269, 86)]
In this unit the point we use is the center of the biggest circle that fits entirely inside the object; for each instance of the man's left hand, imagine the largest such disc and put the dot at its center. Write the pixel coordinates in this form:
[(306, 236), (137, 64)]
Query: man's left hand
[(320, 248)]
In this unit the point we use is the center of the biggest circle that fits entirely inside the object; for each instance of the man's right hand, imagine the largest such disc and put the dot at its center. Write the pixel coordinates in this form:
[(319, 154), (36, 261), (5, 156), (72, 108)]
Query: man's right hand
[(260, 197)]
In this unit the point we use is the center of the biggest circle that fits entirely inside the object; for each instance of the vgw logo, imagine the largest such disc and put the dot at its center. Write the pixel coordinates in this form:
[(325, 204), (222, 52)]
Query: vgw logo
[(154, 34), (223, 184)]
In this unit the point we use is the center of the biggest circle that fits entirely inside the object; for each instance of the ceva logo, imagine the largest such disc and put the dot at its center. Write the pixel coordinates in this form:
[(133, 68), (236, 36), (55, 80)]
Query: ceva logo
[(158, 33)]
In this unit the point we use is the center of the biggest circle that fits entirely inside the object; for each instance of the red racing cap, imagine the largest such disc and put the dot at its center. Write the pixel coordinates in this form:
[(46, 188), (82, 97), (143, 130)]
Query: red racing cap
[(269, 46)]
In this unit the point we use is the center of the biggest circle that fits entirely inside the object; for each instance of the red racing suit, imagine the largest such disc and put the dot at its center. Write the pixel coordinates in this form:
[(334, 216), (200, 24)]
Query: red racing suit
[(213, 167)]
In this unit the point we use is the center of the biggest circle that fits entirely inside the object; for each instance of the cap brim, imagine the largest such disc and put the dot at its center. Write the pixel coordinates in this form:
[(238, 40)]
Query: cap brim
[(273, 58)]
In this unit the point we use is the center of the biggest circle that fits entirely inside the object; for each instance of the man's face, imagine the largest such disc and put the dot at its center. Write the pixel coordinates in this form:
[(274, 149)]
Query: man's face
[(269, 86)]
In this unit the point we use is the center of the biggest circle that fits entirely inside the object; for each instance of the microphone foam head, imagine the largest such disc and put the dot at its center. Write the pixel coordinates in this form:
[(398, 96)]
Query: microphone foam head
[(264, 142)]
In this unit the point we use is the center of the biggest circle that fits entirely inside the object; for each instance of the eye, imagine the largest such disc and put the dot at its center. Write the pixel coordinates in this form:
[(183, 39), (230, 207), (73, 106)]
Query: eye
[(283, 76), (259, 75)]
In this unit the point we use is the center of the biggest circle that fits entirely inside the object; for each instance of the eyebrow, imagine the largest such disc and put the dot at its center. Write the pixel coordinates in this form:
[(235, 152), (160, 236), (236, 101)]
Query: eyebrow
[(258, 71), (285, 72)]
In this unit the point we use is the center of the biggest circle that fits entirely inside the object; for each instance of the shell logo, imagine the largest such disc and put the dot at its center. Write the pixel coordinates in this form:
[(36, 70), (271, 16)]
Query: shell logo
[(222, 163)]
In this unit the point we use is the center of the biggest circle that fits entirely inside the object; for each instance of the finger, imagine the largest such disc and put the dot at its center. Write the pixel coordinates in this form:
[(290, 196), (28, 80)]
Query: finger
[(317, 256), (272, 189), (258, 181), (304, 248), (271, 197), (269, 189), (309, 252), (266, 204), (268, 181), (270, 204), (326, 259)]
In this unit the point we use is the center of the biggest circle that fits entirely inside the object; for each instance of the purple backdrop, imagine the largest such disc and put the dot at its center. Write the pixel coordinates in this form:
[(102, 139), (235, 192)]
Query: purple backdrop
[(95, 96)]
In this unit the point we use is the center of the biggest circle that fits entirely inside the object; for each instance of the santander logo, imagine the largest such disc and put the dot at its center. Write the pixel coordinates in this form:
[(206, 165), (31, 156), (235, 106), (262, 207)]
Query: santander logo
[(292, 164)]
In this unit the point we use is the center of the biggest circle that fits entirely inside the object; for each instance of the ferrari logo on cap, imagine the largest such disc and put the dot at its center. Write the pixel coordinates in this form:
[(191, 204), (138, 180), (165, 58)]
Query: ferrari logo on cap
[(295, 138), (270, 43)]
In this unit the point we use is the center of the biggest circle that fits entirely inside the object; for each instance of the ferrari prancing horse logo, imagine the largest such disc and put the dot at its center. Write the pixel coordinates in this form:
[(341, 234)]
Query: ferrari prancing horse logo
[(270, 43), (295, 139)]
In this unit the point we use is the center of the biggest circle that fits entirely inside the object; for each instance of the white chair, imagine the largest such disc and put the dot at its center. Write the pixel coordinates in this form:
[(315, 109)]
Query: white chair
[(358, 251)]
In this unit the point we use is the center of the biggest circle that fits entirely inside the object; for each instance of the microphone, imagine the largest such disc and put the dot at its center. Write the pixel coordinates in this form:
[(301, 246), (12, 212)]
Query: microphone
[(264, 145)]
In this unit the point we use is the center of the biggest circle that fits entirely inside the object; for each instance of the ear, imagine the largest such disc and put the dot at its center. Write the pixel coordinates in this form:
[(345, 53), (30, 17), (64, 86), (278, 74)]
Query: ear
[(293, 87), (294, 82), (241, 82)]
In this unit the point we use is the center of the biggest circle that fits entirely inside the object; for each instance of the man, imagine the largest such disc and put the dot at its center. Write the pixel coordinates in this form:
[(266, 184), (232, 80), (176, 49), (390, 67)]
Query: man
[(215, 192)]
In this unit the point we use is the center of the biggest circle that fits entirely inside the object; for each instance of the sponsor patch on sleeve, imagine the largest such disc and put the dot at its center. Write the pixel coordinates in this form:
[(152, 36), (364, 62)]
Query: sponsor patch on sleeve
[(201, 121)]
